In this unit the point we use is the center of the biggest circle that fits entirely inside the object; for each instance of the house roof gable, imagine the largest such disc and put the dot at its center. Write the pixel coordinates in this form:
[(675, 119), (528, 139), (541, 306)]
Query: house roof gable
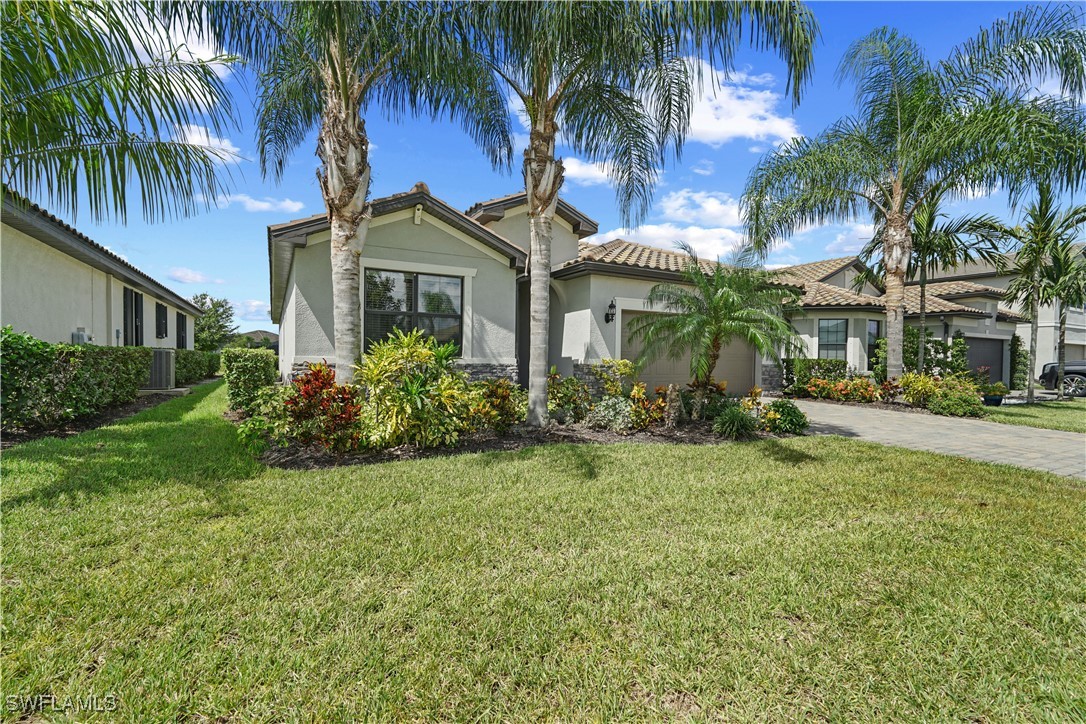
[(495, 209)]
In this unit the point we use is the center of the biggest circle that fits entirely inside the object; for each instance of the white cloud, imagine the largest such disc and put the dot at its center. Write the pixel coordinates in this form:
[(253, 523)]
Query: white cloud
[(710, 243), (259, 205), (585, 174), (704, 167), (224, 148), (852, 239), (742, 106), (114, 252), (707, 208), (252, 310), (185, 275)]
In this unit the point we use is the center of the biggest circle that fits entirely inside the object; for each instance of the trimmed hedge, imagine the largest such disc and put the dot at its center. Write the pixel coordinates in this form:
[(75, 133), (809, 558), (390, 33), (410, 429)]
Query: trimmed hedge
[(247, 371), (193, 365), (44, 385), (798, 371)]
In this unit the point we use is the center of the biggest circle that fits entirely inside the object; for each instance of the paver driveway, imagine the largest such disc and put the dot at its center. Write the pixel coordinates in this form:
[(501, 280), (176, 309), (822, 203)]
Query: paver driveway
[(1063, 453)]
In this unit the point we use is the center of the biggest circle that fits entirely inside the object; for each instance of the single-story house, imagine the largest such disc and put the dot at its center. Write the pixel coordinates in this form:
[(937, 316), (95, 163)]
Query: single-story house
[(461, 276), (60, 286), (1048, 315)]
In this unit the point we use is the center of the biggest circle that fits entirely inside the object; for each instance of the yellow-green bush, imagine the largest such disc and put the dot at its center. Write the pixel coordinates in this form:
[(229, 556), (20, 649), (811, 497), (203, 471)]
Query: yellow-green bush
[(247, 371)]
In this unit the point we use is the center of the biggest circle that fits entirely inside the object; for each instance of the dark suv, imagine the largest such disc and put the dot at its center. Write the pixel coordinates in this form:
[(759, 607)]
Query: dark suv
[(1074, 377)]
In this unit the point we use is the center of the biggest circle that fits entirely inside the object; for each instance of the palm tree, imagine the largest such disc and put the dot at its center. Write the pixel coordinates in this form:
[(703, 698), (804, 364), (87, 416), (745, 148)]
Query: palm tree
[(711, 307), (926, 131), (323, 66), (1046, 231), (1064, 284), (95, 97), (616, 80), (937, 246)]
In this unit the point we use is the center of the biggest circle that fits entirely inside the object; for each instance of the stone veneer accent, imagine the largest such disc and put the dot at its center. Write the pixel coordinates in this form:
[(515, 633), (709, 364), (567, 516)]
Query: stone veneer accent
[(583, 372), (771, 376), (488, 371)]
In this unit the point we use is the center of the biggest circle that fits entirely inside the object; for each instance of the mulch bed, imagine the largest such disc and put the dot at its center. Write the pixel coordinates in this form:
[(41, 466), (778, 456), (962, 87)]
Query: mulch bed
[(74, 427), (313, 458)]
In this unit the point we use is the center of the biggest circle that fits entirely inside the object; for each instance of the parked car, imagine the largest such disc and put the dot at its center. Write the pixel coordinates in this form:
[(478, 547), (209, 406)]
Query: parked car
[(1074, 377)]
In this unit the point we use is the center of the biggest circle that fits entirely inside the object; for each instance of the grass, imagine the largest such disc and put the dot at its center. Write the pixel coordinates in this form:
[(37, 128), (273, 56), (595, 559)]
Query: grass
[(811, 577), (1068, 415)]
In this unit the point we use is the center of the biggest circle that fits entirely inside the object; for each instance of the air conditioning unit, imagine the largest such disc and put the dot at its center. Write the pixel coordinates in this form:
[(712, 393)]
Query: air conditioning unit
[(162, 370), (79, 336)]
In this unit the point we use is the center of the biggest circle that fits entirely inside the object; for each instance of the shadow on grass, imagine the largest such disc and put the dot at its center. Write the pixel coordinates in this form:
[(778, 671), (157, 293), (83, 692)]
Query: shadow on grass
[(173, 443), (581, 459), (788, 455)]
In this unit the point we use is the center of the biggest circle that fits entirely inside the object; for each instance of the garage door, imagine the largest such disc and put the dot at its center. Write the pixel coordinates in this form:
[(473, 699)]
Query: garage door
[(736, 364), (986, 353)]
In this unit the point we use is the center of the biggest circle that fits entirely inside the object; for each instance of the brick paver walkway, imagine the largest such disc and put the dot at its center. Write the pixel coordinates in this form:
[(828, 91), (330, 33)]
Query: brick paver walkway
[(1063, 453)]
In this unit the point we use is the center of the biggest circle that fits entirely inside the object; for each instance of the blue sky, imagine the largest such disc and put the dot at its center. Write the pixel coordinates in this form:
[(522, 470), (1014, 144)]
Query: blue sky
[(224, 251)]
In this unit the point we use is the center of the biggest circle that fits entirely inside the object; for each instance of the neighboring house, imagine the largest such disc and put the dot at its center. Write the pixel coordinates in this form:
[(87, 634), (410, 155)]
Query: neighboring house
[(60, 286), (462, 277), (845, 324), (1048, 315)]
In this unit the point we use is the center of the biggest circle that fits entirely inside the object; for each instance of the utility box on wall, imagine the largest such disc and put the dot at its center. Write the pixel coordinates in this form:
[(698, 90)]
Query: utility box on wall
[(162, 370)]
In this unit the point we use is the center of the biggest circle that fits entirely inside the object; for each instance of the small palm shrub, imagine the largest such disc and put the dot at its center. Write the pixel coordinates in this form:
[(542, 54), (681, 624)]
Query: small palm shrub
[(735, 423), (611, 413), (782, 417), (568, 398)]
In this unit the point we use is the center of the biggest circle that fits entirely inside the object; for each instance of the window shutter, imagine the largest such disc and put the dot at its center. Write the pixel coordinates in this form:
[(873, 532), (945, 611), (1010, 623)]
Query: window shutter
[(182, 331), (161, 321)]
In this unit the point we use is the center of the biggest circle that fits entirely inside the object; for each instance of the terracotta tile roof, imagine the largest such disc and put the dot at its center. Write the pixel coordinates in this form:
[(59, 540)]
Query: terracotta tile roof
[(817, 271), (820, 294), (629, 253), (959, 287), (934, 303)]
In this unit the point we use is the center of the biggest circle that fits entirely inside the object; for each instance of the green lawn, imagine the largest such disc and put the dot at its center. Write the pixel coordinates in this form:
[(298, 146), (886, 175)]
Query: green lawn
[(1068, 415), (803, 578)]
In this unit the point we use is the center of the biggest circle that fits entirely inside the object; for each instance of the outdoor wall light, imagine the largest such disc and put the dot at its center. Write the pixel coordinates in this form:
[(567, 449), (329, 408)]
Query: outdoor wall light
[(611, 311)]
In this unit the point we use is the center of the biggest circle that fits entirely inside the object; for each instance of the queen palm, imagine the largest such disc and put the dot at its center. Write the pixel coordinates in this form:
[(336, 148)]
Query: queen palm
[(614, 81), (323, 66), (939, 244), (1046, 231), (95, 97), (928, 130), (712, 306), (1064, 284)]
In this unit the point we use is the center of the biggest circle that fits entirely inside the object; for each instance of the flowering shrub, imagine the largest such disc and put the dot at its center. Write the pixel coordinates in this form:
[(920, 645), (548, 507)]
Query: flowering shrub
[(855, 389), (889, 390), (782, 417), (645, 413)]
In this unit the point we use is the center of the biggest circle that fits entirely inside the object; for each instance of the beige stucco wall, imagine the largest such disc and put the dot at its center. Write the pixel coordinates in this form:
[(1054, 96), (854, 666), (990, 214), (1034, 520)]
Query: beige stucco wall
[(856, 344), (396, 243), (514, 228), (50, 295)]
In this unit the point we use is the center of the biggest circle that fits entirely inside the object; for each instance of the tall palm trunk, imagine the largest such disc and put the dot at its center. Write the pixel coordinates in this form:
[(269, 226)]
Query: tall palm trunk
[(702, 384), (543, 175), (895, 254), (1033, 295), (344, 177), (923, 318), (1062, 354)]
